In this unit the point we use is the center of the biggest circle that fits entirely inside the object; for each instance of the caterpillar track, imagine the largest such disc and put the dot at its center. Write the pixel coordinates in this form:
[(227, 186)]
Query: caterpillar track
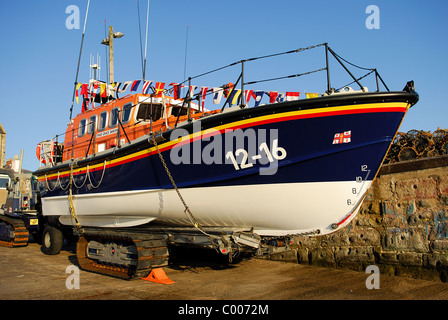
[(123, 255), (13, 232)]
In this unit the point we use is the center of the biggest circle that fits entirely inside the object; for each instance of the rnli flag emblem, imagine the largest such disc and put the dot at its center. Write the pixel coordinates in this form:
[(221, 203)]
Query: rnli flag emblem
[(344, 137)]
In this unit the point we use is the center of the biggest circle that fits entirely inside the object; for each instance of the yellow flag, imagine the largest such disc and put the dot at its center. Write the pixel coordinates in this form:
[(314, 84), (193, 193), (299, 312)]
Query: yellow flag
[(311, 95), (102, 89), (77, 88), (234, 95)]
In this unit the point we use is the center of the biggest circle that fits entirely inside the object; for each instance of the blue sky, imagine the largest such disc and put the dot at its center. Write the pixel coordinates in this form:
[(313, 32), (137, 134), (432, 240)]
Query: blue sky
[(38, 54)]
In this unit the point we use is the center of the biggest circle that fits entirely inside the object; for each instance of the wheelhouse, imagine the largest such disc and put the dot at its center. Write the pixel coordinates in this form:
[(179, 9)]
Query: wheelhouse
[(123, 120)]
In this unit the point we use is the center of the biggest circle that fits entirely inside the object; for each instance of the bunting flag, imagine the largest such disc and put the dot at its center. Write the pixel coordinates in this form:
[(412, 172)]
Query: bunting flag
[(85, 94), (135, 85), (272, 96), (292, 96), (311, 95), (77, 89), (233, 96), (159, 88), (192, 88), (217, 95), (84, 90), (280, 97), (176, 90), (248, 94), (103, 90), (147, 86), (203, 95), (95, 88), (258, 95), (125, 86)]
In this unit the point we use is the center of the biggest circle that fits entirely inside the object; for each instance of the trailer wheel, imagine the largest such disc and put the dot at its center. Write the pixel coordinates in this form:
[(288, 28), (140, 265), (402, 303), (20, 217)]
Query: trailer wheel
[(52, 240)]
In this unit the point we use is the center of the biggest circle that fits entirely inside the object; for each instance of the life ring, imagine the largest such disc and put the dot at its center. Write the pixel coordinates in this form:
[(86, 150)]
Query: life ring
[(38, 154)]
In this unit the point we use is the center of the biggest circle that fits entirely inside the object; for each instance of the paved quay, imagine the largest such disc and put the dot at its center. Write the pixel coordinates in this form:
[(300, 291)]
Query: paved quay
[(28, 274)]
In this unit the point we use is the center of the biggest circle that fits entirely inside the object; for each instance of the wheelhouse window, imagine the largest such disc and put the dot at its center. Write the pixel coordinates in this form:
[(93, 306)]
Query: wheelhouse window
[(114, 114), (91, 125), (179, 111), (102, 121), (144, 112), (126, 113), (82, 127)]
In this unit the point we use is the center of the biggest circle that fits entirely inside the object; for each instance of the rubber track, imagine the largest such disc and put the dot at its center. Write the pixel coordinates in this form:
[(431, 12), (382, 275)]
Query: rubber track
[(152, 253), (21, 234)]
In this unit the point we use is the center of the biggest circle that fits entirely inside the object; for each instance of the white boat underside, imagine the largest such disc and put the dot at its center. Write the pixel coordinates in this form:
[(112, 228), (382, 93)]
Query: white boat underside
[(271, 210)]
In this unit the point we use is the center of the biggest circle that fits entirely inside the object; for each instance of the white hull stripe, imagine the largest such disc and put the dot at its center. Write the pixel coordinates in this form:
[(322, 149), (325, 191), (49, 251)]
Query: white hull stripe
[(275, 209)]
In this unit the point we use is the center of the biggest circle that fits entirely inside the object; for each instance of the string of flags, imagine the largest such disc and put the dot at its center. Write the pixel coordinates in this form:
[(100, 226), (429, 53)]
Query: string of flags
[(231, 94)]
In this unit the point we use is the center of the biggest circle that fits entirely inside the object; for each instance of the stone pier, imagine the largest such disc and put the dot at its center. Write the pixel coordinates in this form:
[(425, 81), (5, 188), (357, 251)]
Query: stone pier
[(402, 226)]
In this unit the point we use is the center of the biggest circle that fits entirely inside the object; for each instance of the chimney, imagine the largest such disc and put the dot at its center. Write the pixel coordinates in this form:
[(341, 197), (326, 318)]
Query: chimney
[(2, 146)]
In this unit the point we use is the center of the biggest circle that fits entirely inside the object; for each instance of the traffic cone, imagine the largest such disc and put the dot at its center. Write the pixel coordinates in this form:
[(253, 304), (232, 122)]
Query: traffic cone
[(159, 276)]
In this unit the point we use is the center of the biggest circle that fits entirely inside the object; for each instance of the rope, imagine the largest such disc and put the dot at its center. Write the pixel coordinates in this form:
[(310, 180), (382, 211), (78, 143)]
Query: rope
[(48, 186), (187, 209), (85, 179), (285, 77), (60, 183), (102, 176), (70, 202)]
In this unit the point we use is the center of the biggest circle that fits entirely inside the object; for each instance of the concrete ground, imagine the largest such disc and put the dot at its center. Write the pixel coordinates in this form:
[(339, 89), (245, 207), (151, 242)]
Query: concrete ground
[(28, 274)]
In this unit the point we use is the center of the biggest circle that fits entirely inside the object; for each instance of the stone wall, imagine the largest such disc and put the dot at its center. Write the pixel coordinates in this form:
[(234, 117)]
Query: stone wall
[(402, 226)]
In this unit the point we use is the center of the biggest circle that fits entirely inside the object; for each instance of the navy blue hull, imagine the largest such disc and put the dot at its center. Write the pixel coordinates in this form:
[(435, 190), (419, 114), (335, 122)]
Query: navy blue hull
[(307, 140)]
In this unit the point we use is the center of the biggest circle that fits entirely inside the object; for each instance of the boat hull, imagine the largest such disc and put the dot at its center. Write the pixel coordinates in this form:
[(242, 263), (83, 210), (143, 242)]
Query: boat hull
[(289, 168), (291, 208)]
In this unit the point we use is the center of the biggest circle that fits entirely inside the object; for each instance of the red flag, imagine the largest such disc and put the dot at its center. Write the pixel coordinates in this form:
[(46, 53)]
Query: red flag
[(292, 96), (176, 90), (273, 96), (84, 90), (159, 88), (95, 88), (248, 94), (203, 94)]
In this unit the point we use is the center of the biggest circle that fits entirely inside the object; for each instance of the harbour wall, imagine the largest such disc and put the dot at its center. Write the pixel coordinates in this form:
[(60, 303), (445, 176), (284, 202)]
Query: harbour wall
[(402, 226)]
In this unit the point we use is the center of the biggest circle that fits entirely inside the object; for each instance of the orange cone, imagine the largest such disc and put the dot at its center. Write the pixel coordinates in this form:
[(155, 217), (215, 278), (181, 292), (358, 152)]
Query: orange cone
[(159, 276)]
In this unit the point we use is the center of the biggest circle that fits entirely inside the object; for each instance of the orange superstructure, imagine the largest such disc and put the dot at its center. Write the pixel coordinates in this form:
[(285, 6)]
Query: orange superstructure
[(128, 118)]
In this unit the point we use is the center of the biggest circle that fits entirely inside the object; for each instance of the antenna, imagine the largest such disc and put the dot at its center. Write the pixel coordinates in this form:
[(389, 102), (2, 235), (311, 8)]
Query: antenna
[(107, 53), (186, 47), (79, 59), (94, 67), (146, 41), (140, 35)]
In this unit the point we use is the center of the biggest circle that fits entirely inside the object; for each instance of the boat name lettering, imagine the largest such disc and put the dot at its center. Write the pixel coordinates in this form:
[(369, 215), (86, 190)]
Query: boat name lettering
[(106, 133)]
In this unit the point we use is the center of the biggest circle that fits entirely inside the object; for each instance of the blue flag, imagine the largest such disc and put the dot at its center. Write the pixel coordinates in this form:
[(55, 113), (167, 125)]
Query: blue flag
[(258, 96)]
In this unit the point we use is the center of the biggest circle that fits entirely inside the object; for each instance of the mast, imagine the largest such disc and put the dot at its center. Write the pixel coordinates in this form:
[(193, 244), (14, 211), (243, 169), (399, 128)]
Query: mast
[(109, 41)]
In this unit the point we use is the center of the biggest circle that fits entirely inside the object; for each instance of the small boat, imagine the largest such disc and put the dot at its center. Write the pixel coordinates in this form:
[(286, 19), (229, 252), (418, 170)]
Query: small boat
[(297, 167)]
